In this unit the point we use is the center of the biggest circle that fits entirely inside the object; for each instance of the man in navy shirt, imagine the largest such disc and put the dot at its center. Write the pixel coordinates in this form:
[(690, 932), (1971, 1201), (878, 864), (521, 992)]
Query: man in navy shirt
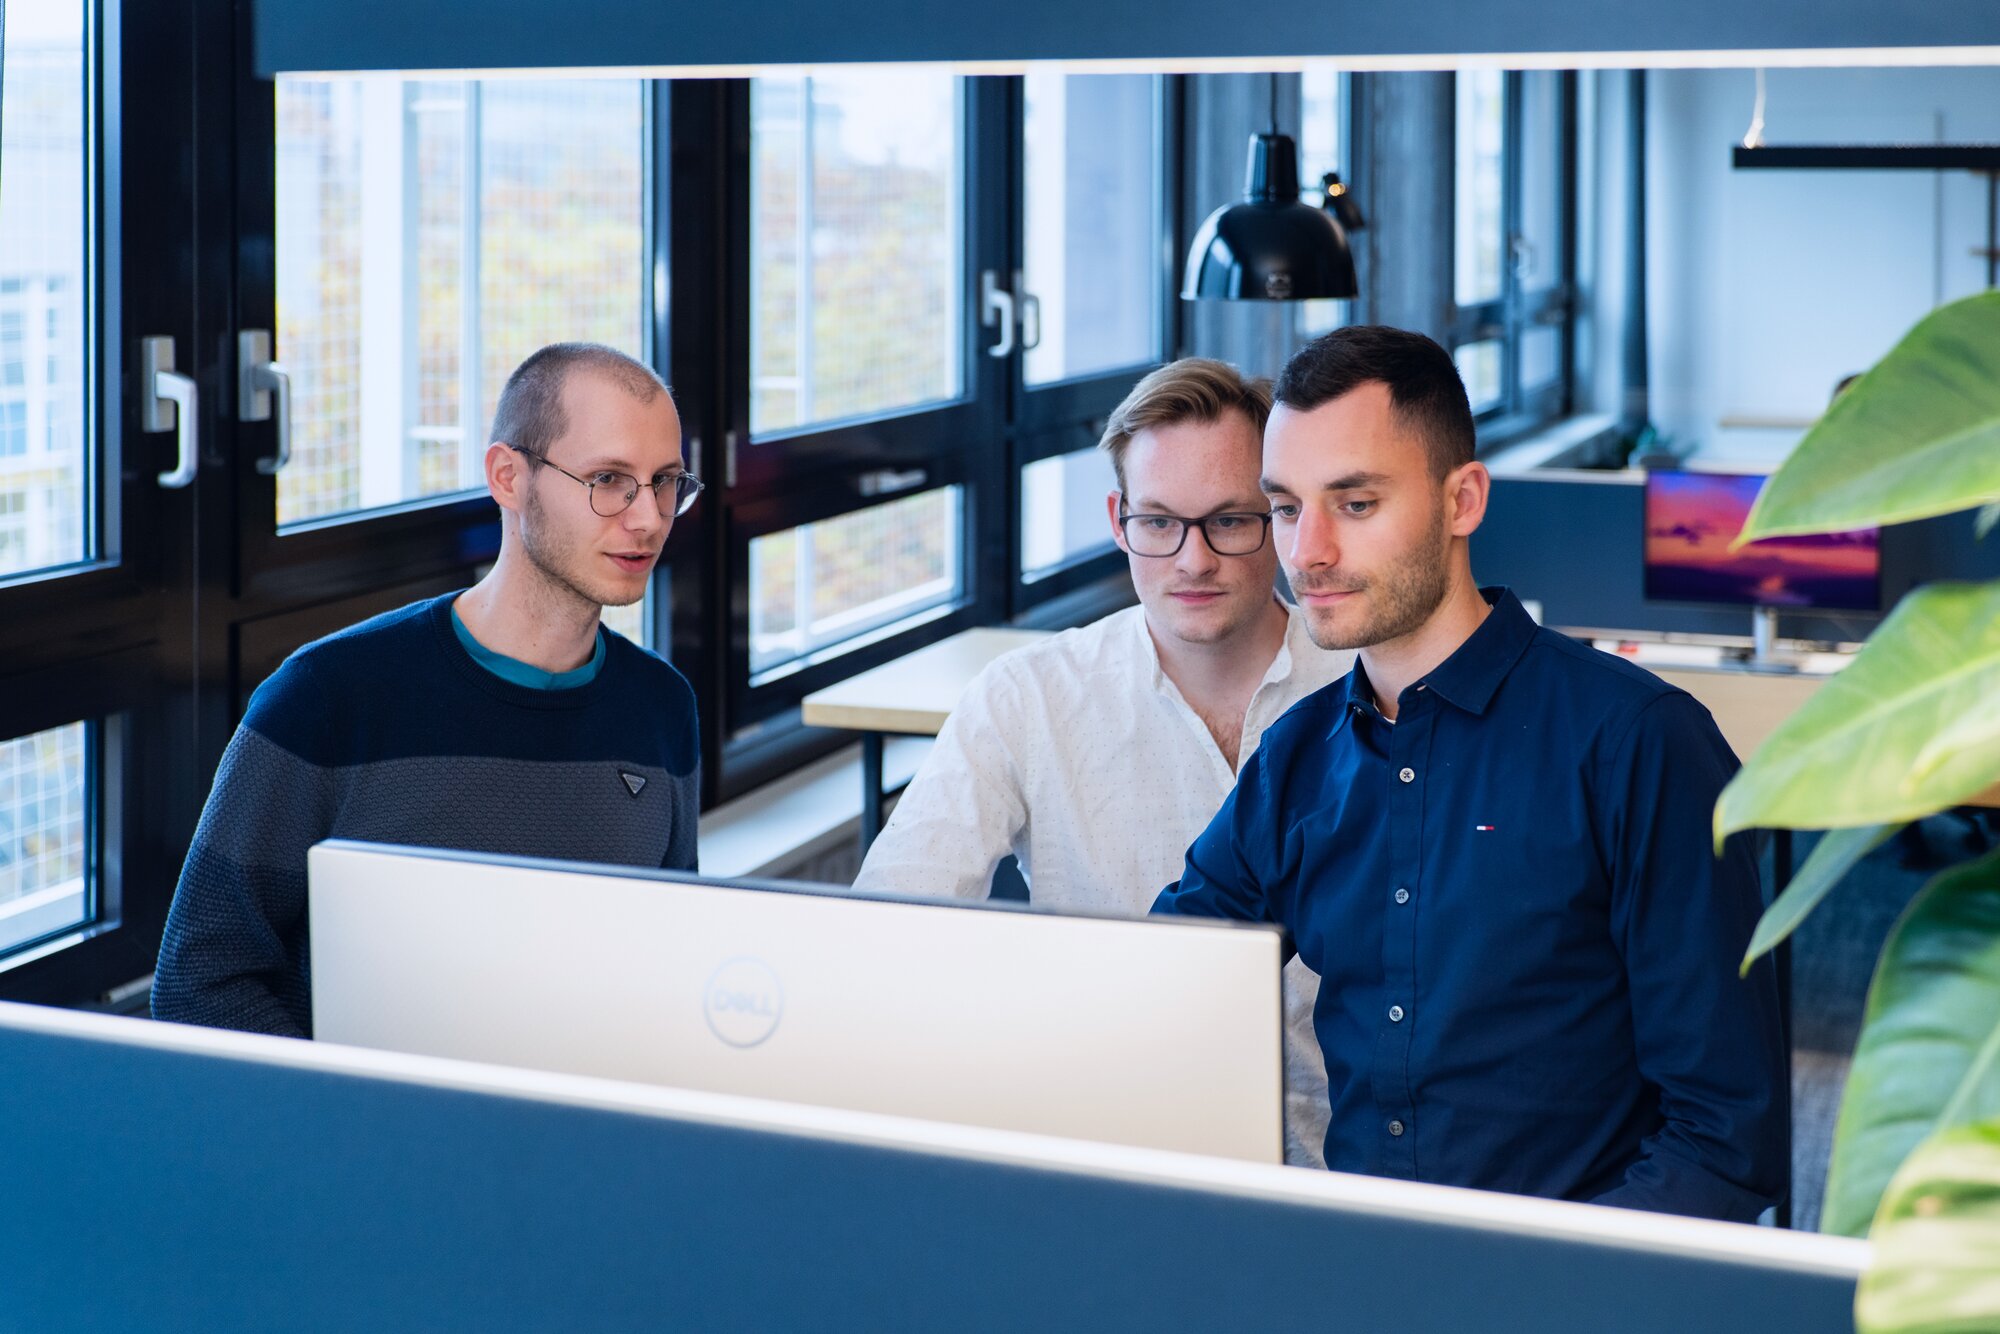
[(1490, 841)]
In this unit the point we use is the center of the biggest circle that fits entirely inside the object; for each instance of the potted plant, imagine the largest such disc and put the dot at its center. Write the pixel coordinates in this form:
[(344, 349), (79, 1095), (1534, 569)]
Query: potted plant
[(1910, 728)]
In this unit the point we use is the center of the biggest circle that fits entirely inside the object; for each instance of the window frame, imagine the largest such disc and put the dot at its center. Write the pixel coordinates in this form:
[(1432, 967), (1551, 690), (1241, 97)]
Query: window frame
[(1066, 416), (1507, 318), (412, 540)]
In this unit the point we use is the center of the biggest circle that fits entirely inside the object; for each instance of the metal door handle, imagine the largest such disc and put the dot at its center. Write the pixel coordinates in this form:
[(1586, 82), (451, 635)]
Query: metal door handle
[(1031, 322), (887, 481), (996, 305), (169, 401), (258, 380)]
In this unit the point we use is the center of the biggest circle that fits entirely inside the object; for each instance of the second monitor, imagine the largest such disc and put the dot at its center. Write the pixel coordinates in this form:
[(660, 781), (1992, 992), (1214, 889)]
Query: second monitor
[(1163, 1034), (1692, 518)]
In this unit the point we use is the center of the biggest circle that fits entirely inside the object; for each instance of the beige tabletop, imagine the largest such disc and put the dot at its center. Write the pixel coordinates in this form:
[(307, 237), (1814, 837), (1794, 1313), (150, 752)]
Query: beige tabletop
[(1748, 706), (914, 694)]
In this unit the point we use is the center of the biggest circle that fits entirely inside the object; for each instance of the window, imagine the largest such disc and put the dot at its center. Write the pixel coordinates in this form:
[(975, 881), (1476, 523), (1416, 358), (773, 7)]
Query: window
[(1323, 148), (1513, 167), (856, 239), (835, 581), (43, 240), (1062, 511), (431, 234), (1098, 281), (44, 788), (1092, 199)]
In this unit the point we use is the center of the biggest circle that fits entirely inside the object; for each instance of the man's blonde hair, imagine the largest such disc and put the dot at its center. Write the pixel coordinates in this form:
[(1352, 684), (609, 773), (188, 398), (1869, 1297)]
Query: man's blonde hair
[(1193, 389)]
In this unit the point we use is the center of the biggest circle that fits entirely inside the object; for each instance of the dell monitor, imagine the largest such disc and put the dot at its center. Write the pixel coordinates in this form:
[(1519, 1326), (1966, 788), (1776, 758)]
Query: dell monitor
[(1159, 1033), (1693, 517)]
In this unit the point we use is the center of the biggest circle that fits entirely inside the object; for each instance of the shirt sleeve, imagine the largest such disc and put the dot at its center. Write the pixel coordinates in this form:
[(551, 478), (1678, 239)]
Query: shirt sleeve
[(1711, 1042), (1225, 873), (965, 810), (234, 951), (683, 840)]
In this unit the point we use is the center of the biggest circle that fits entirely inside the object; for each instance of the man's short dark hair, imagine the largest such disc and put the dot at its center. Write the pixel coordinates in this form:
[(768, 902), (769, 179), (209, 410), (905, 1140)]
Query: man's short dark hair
[(530, 416), (1423, 383)]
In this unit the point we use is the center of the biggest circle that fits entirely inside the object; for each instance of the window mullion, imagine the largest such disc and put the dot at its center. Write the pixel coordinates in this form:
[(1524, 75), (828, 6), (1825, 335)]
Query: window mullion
[(471, 458)]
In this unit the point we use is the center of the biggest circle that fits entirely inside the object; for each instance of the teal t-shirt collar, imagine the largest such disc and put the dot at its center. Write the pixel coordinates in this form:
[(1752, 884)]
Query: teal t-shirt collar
[(515, 672)]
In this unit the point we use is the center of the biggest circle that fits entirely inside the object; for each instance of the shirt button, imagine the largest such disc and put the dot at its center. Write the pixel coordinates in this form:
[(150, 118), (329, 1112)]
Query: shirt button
[(1402, 896), (1408, 775), (1396, 1129), (1395, 1014)]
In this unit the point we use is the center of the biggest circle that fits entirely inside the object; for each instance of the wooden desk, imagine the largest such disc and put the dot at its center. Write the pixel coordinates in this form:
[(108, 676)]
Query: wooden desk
[(1748, 706), (911, 696)]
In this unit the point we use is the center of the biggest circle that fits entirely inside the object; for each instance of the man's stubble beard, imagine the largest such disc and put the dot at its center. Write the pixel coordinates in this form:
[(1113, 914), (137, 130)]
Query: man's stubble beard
[(1402, 599), (550, 566)]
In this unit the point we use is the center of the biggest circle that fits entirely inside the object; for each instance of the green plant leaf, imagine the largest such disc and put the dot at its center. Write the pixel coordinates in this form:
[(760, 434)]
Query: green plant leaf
[(1832, 857), (1929, 1055), (1849, 755), (1918, 435), (1937, 1241)]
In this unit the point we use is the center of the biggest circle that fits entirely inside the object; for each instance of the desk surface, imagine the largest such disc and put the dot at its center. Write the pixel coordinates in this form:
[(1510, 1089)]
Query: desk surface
[(1748, 706), (914, 694)]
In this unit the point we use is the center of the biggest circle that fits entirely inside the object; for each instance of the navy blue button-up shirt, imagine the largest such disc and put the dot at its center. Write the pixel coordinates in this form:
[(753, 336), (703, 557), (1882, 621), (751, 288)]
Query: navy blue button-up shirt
[(1527, 948)]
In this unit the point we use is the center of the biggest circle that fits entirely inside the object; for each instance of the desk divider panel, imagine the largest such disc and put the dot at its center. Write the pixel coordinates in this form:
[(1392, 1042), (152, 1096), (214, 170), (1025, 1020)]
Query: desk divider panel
[(165, 1178)]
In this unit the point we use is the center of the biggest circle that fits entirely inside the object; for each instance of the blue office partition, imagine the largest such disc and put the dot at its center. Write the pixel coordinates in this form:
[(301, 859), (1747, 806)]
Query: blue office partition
[(311, 35), (165, 1179)]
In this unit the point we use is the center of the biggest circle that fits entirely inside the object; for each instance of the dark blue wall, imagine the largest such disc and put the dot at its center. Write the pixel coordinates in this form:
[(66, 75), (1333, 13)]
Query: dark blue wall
[(458, 34), (157, 1189), (1576, 544)]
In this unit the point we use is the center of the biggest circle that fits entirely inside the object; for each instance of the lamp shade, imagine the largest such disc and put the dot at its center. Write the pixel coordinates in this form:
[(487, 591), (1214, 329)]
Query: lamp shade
[(1269, 246)]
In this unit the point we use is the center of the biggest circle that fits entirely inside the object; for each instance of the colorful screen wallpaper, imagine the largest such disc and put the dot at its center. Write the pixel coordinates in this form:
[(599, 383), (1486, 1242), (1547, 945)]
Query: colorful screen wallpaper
[(1692, 517)]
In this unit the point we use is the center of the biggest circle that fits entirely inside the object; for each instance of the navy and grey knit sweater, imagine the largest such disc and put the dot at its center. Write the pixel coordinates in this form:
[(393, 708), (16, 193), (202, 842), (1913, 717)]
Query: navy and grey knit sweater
[(389, 731)]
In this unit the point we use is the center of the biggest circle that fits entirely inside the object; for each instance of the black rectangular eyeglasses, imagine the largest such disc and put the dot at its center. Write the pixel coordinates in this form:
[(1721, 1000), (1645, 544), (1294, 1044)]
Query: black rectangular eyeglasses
[(1166, 534)]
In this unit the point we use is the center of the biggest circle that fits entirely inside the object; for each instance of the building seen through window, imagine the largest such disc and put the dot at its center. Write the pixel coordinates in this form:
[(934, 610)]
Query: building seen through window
[(430, 235), (44, 504)]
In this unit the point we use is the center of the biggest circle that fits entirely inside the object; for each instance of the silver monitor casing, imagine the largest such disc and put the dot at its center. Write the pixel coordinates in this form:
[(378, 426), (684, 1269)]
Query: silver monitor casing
[(1153, 1033)]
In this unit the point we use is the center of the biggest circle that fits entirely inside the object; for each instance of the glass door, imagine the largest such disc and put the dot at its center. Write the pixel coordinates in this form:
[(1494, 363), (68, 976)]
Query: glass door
[(106, 423)]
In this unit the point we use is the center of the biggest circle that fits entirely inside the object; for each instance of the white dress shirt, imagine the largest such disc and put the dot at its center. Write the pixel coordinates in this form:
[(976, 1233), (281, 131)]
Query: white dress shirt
[(1080, 757)]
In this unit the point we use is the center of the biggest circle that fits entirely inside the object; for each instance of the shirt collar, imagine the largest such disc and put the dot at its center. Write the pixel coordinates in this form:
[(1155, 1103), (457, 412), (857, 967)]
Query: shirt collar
[(1281, 663), (1292, 650), (1471, 676)]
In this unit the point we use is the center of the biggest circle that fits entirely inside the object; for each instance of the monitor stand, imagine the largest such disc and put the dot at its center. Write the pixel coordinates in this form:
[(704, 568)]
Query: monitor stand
[(1764, 655)]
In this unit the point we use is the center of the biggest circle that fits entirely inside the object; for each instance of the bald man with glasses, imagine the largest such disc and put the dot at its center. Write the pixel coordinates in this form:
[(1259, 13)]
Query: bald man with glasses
[(505, 718), (1097, 756)]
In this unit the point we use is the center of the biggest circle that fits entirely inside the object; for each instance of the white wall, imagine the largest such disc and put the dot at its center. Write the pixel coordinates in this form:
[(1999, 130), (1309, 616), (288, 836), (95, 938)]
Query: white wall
[(1766, 287)]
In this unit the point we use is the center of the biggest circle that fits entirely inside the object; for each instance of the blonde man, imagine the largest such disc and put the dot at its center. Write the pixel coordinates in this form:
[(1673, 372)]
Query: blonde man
[(1097, 756)]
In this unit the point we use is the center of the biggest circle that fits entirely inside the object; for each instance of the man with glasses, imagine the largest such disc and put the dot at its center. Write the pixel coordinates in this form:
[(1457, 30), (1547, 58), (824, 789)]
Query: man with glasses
[(1491, 841), (504, 718), (1097, 756)]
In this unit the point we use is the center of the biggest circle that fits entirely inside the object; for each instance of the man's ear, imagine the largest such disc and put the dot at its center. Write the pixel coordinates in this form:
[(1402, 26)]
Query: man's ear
[(1111, 512), (507, 476), (1467, 489)]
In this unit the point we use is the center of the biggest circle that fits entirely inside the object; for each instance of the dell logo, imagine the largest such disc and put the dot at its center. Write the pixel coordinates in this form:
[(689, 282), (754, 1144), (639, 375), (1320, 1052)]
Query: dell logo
[(743, 1002)]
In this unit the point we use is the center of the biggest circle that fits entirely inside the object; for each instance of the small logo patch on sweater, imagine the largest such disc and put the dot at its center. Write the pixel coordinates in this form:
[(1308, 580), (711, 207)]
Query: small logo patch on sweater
[(634, 783)]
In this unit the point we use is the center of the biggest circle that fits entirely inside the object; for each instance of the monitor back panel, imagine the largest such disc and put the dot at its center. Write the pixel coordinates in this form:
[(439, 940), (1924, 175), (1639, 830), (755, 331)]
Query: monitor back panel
[(1157, 1034)]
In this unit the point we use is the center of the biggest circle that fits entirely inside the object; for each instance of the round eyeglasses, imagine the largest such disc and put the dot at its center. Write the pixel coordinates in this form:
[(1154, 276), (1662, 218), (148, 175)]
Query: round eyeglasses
[(612, 493), (1166, 534)]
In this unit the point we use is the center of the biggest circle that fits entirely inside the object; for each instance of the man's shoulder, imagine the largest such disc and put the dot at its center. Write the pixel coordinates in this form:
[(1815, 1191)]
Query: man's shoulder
[(368, 656), (388, 638), (1620, 697), (646, 671), (1107, 644), (297, 706), (1608, 677)]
